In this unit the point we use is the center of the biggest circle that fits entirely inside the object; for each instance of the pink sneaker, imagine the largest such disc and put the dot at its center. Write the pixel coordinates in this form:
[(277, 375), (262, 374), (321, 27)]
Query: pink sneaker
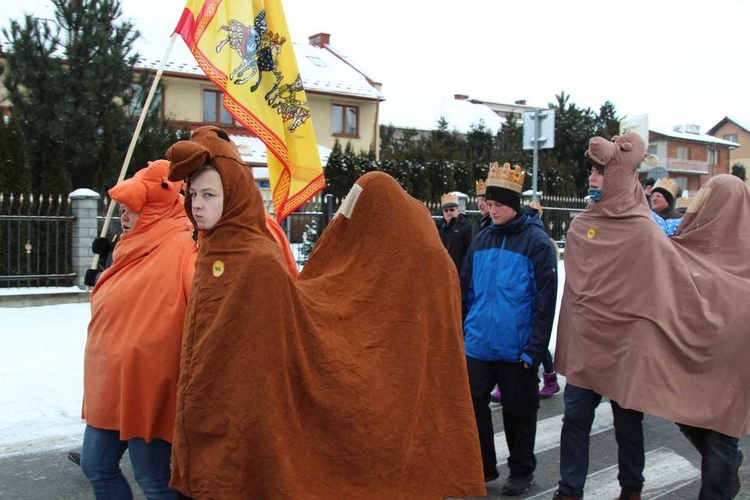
[(495, 396), (550, 387)]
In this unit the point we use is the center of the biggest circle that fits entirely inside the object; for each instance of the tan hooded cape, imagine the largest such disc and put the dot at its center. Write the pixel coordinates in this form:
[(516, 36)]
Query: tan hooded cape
[(137, 313), (657, 324), (349, 382)]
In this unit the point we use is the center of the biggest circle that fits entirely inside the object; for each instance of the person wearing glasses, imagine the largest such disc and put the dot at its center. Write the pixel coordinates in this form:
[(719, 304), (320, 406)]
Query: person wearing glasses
[(455, 229)]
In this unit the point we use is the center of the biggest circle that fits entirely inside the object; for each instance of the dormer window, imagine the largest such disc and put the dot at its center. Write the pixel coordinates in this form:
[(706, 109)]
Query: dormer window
[(317, 61)]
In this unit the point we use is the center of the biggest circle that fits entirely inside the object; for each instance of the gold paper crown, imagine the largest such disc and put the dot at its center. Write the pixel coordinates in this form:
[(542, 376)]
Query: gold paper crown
[(537, 205), (449, 198), (668, 185), (506, 177), (481, 187), (682, 202)]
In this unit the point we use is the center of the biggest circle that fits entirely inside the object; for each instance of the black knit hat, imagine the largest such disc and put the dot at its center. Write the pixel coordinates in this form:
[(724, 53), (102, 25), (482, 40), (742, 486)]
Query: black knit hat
[(504, 196)]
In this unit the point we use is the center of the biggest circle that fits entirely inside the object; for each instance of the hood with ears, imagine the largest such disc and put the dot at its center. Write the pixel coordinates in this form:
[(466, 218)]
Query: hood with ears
[(243, 202), (620, 158), (150, 193)]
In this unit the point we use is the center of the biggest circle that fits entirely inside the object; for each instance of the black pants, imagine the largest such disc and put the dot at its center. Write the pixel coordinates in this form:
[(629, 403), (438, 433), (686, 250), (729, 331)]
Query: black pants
[(520, 389)]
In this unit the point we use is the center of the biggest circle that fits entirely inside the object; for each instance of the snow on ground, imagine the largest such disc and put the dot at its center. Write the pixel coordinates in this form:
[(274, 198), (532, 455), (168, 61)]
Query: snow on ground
[(41, 374)]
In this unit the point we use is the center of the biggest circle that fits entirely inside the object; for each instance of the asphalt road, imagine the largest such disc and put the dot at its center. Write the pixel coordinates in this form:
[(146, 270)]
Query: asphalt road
[(672, 465)]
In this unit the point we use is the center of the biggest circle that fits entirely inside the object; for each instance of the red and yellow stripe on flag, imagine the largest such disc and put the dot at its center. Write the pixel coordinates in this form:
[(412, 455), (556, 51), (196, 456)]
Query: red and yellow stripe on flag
[(244, 47)]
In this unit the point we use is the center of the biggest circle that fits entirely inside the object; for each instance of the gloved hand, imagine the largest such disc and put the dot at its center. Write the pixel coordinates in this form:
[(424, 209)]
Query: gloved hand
[(101, 246), (89, 279)]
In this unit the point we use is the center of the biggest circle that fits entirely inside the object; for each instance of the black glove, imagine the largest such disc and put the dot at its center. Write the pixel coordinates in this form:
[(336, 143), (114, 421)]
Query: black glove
[(90, 277), (101, 246)]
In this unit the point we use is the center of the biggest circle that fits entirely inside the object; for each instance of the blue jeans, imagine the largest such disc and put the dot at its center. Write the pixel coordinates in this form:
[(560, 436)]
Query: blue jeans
[(578, 418), (100, 462), (719, 459)]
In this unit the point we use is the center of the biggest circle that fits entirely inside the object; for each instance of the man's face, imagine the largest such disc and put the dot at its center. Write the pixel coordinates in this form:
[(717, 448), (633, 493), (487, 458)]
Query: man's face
[(450, 213), (207, 199), (658, 202), (648, 189), (501, 214), (596, 178), (482, 205), (128, 219)]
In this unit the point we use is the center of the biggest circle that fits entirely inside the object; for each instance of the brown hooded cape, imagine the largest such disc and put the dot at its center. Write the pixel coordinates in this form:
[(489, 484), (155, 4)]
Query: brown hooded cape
[(655, 323), (322, 387)]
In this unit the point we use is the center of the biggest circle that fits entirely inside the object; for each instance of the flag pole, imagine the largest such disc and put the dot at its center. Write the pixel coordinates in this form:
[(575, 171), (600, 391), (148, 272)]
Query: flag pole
[(134, 140)]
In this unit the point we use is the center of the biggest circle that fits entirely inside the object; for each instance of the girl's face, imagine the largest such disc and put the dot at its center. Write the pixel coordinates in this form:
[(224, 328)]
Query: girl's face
[(128, 219), (207, 199), (596, 178)]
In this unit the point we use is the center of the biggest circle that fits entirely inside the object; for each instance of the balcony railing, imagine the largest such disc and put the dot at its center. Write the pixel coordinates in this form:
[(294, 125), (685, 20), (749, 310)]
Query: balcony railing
[(691, 165)]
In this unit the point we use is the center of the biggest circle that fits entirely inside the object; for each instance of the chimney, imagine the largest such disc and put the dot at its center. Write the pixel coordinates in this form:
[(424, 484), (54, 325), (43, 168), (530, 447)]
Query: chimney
[(521, 102), (320, 40), (460, 97)]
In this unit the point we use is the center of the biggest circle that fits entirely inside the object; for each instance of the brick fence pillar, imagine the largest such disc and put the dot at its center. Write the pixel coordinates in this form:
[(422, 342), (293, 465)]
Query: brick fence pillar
[(83, 203)]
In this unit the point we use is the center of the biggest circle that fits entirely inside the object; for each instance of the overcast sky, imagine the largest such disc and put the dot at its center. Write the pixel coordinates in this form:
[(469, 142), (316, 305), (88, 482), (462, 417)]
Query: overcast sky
[(677, 61)]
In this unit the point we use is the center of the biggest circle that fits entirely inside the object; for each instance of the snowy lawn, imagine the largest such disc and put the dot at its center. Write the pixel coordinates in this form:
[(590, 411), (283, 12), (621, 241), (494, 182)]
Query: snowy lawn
[(41, 375)]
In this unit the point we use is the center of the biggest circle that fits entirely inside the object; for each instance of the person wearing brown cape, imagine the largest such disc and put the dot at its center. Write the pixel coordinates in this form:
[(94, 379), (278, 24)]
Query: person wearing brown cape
[(723, 198), (320, 387), (660, 352)]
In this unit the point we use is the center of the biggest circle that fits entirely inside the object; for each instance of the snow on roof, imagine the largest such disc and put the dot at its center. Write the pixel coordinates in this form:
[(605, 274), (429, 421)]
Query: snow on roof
[(422, 112), (257, 155), (694, 137), (321, 71)]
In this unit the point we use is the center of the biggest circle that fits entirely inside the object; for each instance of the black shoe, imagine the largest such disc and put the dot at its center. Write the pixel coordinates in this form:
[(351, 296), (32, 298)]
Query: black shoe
[(75, 457), (736, 477), (491, 476), (560, 496), (517, 485)]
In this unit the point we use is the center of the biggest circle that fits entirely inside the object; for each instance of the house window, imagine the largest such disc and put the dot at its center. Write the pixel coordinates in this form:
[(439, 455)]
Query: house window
[(213, 111), (730, 137), (683, 153), (652, 150), (138, 96), (345, 120)]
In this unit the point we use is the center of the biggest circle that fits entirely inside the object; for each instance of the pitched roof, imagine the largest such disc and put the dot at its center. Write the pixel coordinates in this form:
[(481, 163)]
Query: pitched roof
[(742, 124), (703, 138)]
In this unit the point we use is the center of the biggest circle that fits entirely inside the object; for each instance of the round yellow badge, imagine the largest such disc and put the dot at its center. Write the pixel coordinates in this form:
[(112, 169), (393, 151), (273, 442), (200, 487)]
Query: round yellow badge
[(591, 232), (218, 268)]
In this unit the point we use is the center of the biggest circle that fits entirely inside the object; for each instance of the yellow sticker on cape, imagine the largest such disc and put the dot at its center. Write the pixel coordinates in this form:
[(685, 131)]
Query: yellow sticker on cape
[(591, 232), (218, 268)]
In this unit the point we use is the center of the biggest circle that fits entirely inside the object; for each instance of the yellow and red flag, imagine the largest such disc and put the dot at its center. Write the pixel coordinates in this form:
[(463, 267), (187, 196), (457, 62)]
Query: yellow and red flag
[(244, 47)]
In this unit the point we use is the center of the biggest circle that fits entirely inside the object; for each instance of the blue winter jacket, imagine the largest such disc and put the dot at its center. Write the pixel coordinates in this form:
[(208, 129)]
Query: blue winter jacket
[(509, 291)]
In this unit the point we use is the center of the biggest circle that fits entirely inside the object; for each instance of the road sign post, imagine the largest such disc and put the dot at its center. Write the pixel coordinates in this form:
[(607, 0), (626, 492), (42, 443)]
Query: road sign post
[(538, 133)]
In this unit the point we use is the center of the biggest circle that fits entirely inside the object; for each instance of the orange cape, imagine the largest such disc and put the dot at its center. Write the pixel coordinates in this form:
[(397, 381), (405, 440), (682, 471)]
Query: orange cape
[(137, 314)]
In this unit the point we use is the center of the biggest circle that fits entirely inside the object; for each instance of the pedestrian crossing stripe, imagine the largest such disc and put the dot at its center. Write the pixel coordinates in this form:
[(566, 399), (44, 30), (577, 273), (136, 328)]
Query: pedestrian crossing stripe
[(664, 473)]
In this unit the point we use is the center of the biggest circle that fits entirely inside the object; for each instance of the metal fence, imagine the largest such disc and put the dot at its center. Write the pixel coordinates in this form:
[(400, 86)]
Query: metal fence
[(35, 241), (36, 232)]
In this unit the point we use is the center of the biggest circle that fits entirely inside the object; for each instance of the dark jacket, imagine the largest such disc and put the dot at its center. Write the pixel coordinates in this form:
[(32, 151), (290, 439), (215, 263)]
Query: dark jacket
[(456, 238), (481, 223), (509, 292)]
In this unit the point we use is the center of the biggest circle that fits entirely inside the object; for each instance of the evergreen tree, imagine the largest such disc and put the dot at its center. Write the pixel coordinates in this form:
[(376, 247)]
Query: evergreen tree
[(738, 170), (72, 83), (15, 175), (574, 127)]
